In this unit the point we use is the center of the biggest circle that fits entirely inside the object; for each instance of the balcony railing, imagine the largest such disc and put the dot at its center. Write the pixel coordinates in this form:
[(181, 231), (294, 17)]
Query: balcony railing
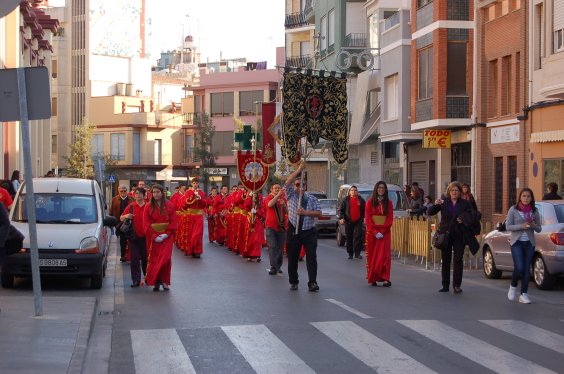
[(356, 40), (295, 20), (299, 61), (190, 156), (309, 11), (392, 21)]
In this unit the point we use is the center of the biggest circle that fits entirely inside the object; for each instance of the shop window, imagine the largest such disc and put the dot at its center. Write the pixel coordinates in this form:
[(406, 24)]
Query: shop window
[(498, 185), (511, 180), (554, 172)]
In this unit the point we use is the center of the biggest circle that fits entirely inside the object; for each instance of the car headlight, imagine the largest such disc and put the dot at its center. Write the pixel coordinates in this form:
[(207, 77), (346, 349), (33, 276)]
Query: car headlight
[(88, 245)]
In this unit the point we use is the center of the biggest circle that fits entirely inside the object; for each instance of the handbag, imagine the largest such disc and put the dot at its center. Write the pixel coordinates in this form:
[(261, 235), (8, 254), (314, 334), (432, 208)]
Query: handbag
[(439, 240), (126, 228)]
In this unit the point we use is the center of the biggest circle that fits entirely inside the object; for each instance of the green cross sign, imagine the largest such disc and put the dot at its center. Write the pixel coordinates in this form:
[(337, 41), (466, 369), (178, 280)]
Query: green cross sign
[(244, 138)]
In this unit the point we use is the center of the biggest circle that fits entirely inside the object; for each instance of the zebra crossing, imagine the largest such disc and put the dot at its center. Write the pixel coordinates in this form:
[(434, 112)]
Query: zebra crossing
[(403, 346)]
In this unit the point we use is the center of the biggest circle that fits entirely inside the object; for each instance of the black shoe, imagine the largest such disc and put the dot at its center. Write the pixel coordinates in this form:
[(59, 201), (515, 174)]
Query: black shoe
[(122, 259), (444, 289), (135, 284), (272, 271), (375, 284), (313, 287), (294, 287), (197, 256), (166, 288), (387, 284), (156, 288), (457, 289), (259, 260), (350, 257), (280, 271), (359, 257)]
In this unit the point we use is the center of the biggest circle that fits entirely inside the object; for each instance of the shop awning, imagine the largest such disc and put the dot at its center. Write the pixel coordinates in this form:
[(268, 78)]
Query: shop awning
[(547, 136)]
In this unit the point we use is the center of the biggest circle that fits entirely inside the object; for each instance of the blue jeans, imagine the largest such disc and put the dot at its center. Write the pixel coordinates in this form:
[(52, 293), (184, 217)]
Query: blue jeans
[(522, 253)]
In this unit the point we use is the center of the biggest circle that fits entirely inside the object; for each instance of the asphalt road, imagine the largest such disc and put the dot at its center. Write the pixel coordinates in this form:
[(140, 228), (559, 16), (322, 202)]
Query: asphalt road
[(225, 315)]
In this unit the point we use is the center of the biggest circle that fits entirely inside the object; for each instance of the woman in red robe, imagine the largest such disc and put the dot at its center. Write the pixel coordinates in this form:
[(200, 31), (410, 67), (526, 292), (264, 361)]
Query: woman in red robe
[(160, 224), (255, 230), (379, 217)]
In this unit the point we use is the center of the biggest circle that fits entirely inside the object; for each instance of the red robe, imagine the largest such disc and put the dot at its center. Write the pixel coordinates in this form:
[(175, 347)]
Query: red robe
[(242, 223), (182, 239), (254, 235), (211, 219), (219, 210), (378, 251), (159, 255), (194, 208)]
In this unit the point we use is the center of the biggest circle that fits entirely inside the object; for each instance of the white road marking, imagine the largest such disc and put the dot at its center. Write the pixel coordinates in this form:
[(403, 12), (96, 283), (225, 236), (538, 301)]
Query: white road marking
[(159, 351), (531, 333), (348, 308), (474, 349), (264, 351), (373, 351)]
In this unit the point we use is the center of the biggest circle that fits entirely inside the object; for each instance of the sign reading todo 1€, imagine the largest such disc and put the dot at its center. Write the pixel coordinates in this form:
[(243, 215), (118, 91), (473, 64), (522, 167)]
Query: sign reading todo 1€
[(436, 139)]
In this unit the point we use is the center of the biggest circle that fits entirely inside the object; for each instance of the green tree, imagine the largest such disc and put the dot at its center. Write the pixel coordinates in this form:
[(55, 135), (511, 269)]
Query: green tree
[(80, 150), (203, 146)]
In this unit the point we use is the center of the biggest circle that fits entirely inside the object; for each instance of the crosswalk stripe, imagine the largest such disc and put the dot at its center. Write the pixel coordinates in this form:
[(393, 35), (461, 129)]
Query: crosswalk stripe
[(473, 349), (348, 308), (370, 349), (526, 331), (264, 351), (159, 351)]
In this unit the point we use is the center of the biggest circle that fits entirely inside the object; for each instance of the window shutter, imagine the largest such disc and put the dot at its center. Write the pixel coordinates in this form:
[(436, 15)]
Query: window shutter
[(558, 15)]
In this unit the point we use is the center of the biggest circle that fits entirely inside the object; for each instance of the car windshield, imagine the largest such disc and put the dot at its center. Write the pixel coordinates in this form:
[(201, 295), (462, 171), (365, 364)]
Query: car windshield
[(559, 210), (328, 204), (396, 197), (58, 208)]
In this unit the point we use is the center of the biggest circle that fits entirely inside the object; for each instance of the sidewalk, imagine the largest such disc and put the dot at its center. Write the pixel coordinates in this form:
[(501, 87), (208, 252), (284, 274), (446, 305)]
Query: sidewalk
[(53, 343)]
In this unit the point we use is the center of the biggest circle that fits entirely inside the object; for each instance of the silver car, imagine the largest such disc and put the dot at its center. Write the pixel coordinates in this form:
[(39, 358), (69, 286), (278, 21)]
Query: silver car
[(548, 262), (327, 223)]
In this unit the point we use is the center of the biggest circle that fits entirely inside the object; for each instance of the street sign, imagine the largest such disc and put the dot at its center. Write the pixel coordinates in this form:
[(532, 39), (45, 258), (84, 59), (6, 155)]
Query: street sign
[(36, 87), (111, 178), (7, 6), (436, 139)]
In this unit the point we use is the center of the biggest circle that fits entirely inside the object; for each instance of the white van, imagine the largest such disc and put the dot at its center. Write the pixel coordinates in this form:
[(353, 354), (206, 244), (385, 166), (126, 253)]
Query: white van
[(73, 231)]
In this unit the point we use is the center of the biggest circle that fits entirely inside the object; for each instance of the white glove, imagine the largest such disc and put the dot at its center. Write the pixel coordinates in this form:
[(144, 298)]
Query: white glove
[(379, 236), (161, 238), (253, 210)]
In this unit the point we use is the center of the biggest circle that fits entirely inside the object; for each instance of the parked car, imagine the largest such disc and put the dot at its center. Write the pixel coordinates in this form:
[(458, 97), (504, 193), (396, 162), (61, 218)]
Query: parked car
[(548, 262), (73, 231), (318, 194), (395, 193), (327, 223)]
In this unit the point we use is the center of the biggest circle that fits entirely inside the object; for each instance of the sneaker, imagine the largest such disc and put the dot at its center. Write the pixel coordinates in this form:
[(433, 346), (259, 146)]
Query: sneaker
[(294, 287), (524, 299), (280, 271), (511, 293), (272, 271), (313, 287), (350, 257), (359, 257)]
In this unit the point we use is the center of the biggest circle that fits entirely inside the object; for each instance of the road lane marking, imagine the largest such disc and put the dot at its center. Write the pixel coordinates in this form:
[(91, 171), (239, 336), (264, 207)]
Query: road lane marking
[(264, 351), (474, 349), (371, 350), (526, 331), (348, 308), (159, 351)]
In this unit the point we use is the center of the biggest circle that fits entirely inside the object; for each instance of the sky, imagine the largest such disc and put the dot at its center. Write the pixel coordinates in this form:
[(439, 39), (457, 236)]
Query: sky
[(234, 29)]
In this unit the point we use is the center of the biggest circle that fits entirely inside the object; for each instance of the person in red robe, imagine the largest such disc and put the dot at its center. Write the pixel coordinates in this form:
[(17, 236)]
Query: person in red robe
[(160, 224), (194, 203), (212, 219), (182, 237), (379, 216), (255, 229), (242, 223), (229, 202), (220, 212)]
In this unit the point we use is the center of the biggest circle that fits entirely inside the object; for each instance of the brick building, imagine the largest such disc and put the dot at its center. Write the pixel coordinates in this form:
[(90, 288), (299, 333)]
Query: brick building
[(502, 93)]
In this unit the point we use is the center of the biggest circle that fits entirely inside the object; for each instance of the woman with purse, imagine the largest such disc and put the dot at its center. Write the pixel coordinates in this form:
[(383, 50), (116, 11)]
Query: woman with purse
[(160, 224), (379, 216), (136, 241), (523, 220), (454, 227)]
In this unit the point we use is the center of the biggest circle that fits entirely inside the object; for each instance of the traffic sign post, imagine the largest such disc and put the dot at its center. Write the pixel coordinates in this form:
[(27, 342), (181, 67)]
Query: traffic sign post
[(111, 179)]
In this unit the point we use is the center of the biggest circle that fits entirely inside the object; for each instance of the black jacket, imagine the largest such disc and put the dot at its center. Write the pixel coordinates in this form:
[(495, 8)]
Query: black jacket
[(345, 210), (457, 231)]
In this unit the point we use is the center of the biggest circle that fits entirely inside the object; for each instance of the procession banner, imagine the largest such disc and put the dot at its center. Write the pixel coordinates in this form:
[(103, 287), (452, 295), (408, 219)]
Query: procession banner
[(269, 134), (252, 172)]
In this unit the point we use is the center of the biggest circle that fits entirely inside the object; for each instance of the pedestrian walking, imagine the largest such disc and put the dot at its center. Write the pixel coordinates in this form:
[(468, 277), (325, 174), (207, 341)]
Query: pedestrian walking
[(16, 182), (351, 214), (456, 219), (523, 220), (219, 210), (137, 242), (276, 214), (160, 224), (467, 195), (301, 215), (379, 219), (117, 206)]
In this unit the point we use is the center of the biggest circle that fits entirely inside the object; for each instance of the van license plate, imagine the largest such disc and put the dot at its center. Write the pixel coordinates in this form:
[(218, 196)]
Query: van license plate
[(52, 262)]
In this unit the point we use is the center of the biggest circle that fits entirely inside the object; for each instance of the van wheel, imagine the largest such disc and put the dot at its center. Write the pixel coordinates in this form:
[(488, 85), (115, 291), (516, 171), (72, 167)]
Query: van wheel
[(7, 280), (543, 279), (340, 238), (96, 281)]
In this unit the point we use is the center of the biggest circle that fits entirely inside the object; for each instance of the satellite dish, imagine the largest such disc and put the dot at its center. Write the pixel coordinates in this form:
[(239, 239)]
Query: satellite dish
[(7, 6)]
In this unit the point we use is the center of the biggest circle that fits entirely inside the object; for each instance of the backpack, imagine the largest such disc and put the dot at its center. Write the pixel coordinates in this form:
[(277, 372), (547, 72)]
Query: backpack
[(126, 228)]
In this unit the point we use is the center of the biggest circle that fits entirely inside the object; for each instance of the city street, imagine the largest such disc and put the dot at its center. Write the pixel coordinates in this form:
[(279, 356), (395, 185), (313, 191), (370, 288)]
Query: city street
[(225, 315)]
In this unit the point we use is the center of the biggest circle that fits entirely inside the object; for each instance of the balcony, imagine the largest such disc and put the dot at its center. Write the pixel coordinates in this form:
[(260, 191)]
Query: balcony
[(299, 61), (309, 11), (356, 40), (295, 20), (189, 157)]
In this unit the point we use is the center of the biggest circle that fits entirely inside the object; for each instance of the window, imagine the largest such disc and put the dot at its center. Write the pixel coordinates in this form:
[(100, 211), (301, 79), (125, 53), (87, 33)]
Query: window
[(223, 143), (331, 28), (198, 104), (53, 68), (53, 106), (461, 155), (188, 147), (498, 190), (421, 3), (516, 4), (323, 39), (554, 172), (490, 13), (247, 102), (456, 68), (374, 23), (373, 158), (425, 74), (392, 96), (97, 143), (539, 36), (158, 151), (117, 147), (506, 85), (222, 104), (511, 180), (517, 88), (136, 156), (558, 26), (559, 41), (504, 7), (53, 144), (492, 89)]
